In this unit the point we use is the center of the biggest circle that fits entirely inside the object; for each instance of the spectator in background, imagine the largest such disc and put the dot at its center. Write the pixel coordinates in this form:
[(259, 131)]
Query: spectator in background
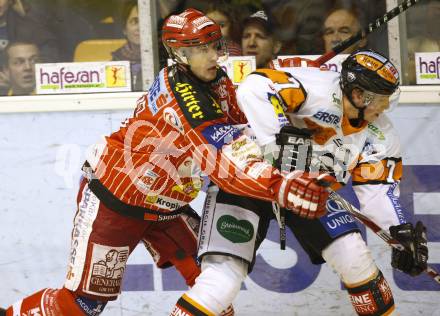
[(4, 38), (28, 22), (224, 15), (131, 51), (298, 24), (339, 25), (21, 58), (258, 39)]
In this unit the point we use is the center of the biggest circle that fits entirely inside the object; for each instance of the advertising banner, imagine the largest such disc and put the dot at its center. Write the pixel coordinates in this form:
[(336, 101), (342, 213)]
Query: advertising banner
[(59, 78), (38, 188), (333, 64), (427, 68), (237, 67)]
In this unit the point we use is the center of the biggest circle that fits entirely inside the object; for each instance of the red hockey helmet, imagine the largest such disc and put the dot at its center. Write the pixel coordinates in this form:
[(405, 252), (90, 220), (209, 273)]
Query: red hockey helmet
[(189, 28)]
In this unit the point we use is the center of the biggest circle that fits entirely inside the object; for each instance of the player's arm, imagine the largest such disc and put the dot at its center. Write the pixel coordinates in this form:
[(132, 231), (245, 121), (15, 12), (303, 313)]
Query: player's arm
[(263, 97), (232, 159), (237, 166), (376, 183)]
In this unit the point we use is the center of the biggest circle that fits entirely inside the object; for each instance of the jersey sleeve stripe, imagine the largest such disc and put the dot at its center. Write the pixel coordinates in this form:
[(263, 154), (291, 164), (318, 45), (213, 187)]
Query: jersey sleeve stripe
[(385, 171)]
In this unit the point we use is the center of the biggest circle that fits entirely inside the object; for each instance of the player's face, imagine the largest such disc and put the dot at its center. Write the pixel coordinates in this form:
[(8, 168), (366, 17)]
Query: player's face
[(203, 59), (256, 42), (21, 67), (374, 104), (339, 26), (378, 105), (132, 27)]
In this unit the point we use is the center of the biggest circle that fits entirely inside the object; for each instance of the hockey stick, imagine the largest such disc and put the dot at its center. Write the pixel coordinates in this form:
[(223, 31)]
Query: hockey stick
[(363, 33), (281, 219), (376, 229)]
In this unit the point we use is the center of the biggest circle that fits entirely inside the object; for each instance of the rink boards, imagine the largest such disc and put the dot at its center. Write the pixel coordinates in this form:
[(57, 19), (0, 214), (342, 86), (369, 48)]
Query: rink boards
[(41, 154)]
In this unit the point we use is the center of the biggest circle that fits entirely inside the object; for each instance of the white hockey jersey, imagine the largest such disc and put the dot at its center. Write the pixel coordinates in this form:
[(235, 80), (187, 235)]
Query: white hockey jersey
[(311, 98)]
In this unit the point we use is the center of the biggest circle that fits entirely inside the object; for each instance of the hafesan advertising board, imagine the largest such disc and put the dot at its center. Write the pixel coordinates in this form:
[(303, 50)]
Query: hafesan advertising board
[(60, 78)]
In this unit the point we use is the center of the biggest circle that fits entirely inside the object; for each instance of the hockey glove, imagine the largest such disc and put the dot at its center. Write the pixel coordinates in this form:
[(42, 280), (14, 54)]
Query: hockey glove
[(303, 195), (413, 261), (295, 149), (297, 62)]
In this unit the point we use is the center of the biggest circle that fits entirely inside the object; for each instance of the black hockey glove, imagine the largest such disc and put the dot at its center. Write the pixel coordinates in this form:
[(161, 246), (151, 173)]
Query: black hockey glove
[(295, 149), (414, 239)]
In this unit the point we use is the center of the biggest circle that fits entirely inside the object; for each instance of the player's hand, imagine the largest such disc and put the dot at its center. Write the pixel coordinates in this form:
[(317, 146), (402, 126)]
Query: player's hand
[(304, 195), (297, 62)]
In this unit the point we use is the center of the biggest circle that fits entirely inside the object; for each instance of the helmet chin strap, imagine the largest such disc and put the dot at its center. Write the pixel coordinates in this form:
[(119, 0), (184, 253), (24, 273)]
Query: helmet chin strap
[(361, 110)]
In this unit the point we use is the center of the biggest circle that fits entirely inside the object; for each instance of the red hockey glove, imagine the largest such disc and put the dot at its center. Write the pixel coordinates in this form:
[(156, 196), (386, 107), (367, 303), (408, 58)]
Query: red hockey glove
[(297, 62), (304, 195)]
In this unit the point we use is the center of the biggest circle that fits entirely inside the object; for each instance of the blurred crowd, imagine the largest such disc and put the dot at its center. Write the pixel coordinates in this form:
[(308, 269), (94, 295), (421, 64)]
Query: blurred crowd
[(33, 31)]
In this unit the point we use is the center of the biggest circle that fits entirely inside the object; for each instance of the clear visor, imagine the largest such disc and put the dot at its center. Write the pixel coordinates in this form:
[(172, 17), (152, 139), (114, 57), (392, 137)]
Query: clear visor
[(393, 99), (217, 49)]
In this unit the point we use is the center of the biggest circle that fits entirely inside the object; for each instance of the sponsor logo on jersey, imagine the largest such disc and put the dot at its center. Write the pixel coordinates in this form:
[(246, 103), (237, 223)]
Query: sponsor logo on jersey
[(147, 179), (237, 231), (158, 95), (278, 109), (196, 102), (220, 134), (89, 306), (376, 131), (257, 169), (191, 103), (393, 195), (327, 117), (337, 221), (170, 116), (364, 303), (87, 211), (107, 268), (163, 202), (335, 99), (242, 151), (190, 188), (238, 144), (385, 290), (140, 107), (220, 88)]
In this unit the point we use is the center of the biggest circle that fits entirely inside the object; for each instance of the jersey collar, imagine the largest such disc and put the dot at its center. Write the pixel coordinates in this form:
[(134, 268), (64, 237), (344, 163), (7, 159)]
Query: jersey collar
[(348, 129)]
